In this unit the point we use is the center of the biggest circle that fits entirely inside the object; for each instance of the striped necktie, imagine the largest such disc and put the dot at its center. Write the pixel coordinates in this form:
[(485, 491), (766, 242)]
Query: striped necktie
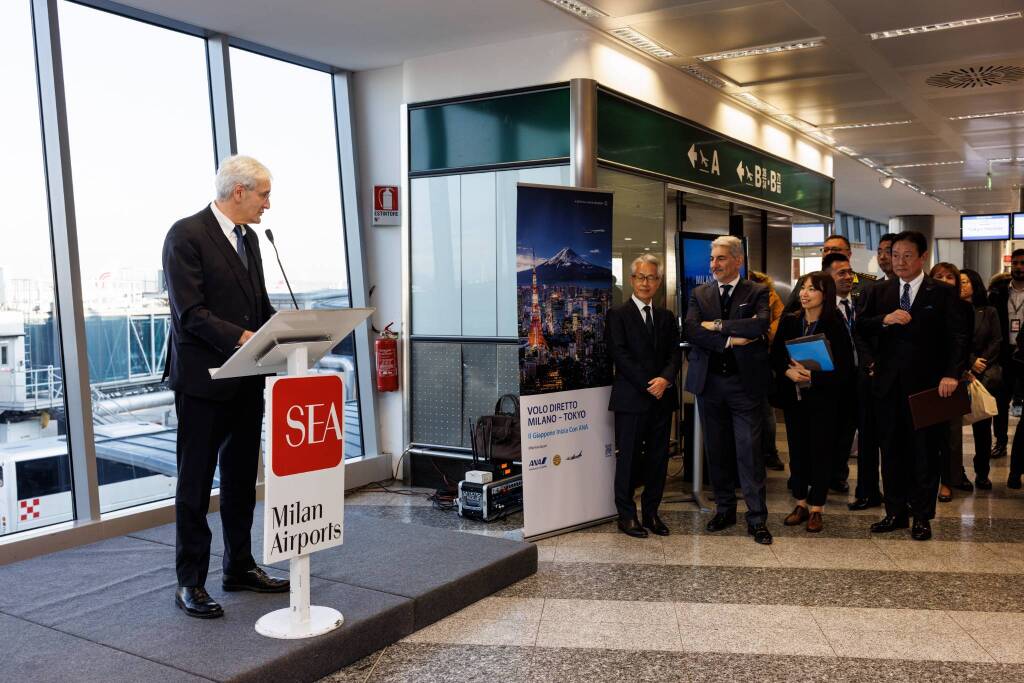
[(240, 246)]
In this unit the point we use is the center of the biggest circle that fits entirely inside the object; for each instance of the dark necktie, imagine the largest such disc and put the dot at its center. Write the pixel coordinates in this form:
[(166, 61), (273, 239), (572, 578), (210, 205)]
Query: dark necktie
[(849, 313), (905, 297), (240, 246), (725, 300), (649, 320)]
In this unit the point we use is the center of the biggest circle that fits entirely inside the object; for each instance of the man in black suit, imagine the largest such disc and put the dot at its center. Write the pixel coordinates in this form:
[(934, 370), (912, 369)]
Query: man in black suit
[(1007, 298), (218, 297), (727, 321), (643, 341), (912, 325)]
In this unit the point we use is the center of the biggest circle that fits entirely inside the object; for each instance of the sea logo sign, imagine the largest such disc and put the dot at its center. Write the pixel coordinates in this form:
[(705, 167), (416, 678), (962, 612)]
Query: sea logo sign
[(539, 463), (557, 460), (307, 431)]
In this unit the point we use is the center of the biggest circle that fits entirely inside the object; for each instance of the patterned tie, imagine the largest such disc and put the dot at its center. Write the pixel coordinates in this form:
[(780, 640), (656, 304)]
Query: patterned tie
[(725, 300), (849, 314), (648, 320), (240, 246), (905, 297)]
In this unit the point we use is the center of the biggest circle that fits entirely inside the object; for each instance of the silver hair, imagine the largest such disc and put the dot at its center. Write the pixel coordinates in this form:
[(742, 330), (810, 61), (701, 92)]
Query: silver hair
[(733, 244), (646, 258), (239, 170)]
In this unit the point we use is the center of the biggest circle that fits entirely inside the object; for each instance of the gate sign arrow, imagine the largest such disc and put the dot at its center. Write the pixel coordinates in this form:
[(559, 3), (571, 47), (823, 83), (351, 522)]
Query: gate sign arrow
[(739, 171), (692, 154)]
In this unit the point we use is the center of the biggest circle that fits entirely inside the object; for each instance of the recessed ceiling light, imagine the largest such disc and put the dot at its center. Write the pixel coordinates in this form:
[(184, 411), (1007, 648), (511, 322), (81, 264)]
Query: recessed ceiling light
[(848, 150), (756, 103), (799, 124), (1007, 160), (945, 25), (654, 241), (763, 50), (847, 126), (867, 162), (823, 137), (641, 42), (962, 189), (965, 117), (628, 239), (580, 9), (926, 163), (706, 76)]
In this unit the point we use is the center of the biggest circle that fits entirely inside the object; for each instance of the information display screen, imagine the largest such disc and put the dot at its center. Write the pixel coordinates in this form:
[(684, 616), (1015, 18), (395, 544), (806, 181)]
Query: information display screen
[(1018, 226), (808, 234), (985, 227), (695, 263)]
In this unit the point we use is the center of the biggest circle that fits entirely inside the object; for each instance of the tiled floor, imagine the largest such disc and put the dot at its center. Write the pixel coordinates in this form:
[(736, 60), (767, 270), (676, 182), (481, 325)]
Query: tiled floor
[(842, 605)]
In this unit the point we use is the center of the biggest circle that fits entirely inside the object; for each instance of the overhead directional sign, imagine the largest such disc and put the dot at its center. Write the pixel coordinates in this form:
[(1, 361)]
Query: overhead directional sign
[(636, 136)]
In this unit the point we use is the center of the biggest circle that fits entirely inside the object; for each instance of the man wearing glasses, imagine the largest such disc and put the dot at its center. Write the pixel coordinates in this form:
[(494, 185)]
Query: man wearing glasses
[(837, 244), (643, 342)]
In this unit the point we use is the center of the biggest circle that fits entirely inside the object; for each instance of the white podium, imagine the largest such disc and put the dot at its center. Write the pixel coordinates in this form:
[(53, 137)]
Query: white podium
[(290, 343)]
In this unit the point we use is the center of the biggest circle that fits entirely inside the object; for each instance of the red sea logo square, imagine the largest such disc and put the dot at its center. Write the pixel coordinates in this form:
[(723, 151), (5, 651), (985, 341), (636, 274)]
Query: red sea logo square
[(308, 414)]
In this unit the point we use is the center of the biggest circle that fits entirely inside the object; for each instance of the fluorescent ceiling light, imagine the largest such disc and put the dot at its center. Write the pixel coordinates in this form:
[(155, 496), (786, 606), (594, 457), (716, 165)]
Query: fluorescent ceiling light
[(799, 124), (580, 9), (927, 163), (763, 50), (945, 25), (822, 137), (704, 75), (868, 162), (990, 115), (847, 126), (1007, 160), (756, 103), (641, 42), (962, 189), (848, 150)]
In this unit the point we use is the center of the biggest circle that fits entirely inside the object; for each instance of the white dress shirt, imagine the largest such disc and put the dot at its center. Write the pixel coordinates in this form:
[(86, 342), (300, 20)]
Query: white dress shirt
[(226, 225), (640, 304), (732, 289), (915, 285)]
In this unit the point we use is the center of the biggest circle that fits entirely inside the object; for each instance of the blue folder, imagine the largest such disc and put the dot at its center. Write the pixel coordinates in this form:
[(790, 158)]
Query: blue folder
[(813, 352)]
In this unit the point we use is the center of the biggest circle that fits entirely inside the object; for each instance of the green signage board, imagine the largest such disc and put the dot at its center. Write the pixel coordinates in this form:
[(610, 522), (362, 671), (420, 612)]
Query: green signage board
[(503, 130), (636, 136)]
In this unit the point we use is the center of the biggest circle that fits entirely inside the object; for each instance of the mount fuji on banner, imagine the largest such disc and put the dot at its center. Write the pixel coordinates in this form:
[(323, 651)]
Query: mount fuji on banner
[(566, 266)]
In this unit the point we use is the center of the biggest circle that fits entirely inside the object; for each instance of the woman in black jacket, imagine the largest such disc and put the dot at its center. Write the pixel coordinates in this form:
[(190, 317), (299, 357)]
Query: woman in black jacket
[(811, 399), (983, 363)]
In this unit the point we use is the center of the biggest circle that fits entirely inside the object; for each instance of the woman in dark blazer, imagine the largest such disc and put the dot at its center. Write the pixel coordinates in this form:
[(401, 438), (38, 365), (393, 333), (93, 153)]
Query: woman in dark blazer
[(983, 363), (811, 399)]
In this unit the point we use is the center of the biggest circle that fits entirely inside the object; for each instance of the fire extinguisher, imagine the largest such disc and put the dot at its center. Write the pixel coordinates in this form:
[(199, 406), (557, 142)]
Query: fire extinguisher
[(386, 348)]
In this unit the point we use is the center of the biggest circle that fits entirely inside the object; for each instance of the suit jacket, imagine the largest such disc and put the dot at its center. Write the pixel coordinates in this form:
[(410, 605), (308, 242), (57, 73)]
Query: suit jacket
[(827, 386), (214, 298), (748, 316), (639, 358), (917, 355), (999, 298)]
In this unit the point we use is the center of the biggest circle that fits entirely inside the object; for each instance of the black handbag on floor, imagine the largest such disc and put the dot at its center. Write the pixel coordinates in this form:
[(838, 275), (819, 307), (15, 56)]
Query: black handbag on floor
[(496, 437)]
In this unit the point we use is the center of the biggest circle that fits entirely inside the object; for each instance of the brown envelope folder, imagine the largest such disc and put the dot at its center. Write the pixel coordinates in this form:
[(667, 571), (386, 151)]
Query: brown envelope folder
[(927, 408)]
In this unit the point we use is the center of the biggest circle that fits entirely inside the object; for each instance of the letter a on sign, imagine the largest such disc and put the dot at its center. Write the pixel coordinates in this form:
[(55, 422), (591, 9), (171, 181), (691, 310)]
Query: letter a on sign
[(307, 414)]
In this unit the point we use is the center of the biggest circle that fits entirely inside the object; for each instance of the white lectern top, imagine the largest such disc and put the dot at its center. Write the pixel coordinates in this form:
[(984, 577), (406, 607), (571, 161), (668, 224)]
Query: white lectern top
[(266, 352)]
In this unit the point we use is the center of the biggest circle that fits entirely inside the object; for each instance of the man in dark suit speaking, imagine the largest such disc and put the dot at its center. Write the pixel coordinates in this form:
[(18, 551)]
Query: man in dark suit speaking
[(912, 329), (218, 298), (727, 320), (643, 341)]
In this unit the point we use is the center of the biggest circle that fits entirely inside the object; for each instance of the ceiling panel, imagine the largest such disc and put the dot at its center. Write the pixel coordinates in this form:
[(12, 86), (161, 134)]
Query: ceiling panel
[(995, 99), (1009, 138), (1009, 125), (869, 16), (809, 63), (833, 92), (901, 147), (856, 137), (950, 47), (763, 24), (623, 8), (855, 113)]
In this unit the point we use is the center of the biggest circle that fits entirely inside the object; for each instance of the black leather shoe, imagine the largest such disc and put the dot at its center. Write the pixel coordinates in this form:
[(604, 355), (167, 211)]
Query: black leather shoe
[(254, 580), (196, 602), (760, 533), (964, 484), (631, 527), (656, 526), (983, 484), (865, 503), (721, 521), (1013, 482), (839, 486), (889, 523), (998, 451), (922, 530), (773, 462)]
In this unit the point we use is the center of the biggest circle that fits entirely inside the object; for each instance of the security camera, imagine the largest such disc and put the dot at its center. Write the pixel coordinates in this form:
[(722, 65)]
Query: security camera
[(885, 182)]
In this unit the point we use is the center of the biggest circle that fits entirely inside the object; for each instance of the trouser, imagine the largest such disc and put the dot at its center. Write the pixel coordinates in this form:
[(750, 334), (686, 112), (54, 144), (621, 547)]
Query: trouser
[(1001, 422), (768, 431), (867, 441), (952, 470), (911, 459), (208, 431), (727, 408), (845, 430), (641, 446), (810, 433), (982, 448)]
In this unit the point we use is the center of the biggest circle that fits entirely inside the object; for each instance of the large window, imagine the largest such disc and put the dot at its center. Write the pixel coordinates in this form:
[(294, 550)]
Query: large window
[(35, 481), (141, 144), (284, 116)]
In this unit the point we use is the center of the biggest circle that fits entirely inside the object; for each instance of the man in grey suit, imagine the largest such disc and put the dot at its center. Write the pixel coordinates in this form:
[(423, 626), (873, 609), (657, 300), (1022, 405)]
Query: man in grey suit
[(726, 324)]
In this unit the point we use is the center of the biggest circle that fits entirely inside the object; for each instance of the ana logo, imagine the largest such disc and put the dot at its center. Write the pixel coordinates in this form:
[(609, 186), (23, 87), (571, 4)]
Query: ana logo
[(538, 463), (307, 418), (557, 460), (576, 456)]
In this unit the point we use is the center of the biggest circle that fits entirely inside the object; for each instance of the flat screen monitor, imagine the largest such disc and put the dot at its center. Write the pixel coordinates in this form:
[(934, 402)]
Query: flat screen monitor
[(808, 234), (1018, 226), (994, 226), (694, 263)]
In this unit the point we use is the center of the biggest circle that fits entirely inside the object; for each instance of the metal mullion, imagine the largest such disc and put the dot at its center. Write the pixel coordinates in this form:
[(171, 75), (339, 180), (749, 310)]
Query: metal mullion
[(222, 104), (66, 265), (352, 212)]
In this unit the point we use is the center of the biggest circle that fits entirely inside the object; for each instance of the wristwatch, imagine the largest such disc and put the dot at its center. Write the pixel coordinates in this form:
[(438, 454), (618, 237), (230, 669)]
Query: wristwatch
[(718, 325)]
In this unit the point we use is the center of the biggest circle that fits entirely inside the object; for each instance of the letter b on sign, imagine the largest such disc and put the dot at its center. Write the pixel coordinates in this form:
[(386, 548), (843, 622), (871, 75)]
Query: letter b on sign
[(308, 418)]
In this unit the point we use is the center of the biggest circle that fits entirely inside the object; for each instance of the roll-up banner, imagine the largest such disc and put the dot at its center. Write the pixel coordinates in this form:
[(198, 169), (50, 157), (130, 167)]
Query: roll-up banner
[(564, 279)]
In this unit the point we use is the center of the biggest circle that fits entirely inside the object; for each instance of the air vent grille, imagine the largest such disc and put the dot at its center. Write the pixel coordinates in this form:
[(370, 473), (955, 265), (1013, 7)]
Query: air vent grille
[(977, 77)]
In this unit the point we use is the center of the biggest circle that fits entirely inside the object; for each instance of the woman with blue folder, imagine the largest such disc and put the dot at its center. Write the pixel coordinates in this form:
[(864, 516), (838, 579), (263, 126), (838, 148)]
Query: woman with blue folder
[(810, 391)]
